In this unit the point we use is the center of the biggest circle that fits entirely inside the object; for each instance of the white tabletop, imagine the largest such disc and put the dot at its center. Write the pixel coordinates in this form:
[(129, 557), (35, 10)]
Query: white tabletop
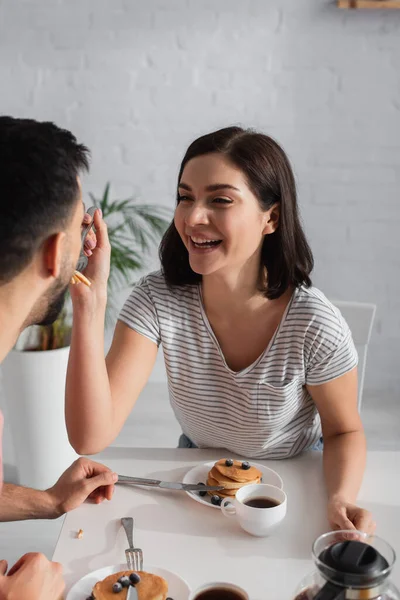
[(199, 543)]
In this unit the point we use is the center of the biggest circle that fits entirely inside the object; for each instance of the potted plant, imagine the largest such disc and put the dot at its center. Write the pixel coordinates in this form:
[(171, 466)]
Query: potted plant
[(34, 372)]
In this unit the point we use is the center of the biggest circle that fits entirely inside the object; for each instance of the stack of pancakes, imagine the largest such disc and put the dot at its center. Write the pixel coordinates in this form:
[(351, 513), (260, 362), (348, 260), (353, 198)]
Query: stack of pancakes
[(232, 478), (150, 587)]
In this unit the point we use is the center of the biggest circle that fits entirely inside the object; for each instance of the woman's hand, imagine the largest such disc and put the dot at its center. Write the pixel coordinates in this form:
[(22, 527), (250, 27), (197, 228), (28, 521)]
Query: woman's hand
[(344, 451), (98, 251), (343, 515), (90, 240)]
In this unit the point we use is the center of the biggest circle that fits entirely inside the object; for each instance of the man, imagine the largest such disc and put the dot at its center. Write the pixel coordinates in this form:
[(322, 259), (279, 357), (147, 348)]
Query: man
[(41, 213)]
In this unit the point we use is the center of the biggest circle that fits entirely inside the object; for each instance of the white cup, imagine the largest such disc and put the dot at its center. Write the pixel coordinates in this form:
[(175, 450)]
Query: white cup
[(257, 521), (219, 586)]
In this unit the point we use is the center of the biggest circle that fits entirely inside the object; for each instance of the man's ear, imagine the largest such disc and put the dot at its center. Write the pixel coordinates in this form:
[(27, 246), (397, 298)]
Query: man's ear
[(52, 253), (272, 219)]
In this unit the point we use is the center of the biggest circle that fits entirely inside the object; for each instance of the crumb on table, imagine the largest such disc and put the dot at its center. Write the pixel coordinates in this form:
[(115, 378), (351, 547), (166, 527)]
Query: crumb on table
[(80, 534)]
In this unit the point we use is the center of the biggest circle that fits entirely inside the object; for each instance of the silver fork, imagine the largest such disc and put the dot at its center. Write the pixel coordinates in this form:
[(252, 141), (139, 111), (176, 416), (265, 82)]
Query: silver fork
[(134, 556)]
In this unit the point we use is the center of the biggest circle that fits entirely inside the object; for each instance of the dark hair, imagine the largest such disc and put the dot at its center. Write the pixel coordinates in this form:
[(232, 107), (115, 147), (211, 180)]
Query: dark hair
[(286, 254), (39, 167)]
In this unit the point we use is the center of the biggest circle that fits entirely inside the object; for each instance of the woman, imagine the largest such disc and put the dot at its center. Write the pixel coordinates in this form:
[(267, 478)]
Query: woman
[(258, 361)]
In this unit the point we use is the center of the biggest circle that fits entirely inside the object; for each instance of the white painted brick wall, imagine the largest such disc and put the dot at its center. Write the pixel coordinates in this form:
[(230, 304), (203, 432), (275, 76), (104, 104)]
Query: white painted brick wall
[(138, 80)]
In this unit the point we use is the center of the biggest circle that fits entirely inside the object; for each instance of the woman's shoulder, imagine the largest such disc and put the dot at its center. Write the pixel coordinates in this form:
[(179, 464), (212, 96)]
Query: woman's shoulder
[(156, 286), (317, 312), (315, 301), (150, 279)]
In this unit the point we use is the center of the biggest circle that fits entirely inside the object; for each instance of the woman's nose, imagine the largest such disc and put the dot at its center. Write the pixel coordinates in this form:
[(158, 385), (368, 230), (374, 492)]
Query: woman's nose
[(196, 215)]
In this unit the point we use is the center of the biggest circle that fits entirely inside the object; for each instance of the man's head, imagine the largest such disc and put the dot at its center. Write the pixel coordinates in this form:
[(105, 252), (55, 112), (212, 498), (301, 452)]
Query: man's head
[(41, 209)]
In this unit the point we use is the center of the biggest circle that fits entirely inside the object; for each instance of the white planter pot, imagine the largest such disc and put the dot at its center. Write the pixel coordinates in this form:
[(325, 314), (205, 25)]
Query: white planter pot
[(34, 388)]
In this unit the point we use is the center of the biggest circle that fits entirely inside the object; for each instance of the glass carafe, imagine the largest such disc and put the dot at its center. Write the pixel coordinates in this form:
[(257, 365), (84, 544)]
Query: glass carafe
[(350, 566)]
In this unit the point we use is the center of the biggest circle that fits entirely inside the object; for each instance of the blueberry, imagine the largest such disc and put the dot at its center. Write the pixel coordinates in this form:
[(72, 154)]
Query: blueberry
[(216, 500), (245, 465), (201, 493), (117, 587), (124, 581), (134, 578), (229, 462)]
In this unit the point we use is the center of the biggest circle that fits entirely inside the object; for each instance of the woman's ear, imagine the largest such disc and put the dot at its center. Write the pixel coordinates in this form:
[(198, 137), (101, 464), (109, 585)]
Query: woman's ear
[(272, 219)]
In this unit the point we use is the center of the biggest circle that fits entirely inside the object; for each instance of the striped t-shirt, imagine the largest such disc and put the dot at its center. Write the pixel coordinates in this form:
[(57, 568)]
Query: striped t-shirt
[(263, 411)]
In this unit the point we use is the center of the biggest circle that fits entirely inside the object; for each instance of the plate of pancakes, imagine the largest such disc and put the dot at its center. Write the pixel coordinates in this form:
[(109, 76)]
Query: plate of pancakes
[(230, 473), (155, 584)]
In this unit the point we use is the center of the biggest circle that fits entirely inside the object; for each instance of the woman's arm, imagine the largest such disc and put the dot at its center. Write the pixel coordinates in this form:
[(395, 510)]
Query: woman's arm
[(99, 393), (344, 451)]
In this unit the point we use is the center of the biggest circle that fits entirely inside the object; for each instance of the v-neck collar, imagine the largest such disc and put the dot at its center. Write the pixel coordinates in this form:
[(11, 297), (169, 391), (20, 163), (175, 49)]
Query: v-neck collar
[(253, 365)]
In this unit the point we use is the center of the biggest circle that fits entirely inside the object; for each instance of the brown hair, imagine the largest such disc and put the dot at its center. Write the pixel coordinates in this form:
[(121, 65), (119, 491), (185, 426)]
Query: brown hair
[(39, 189), (286, 254)]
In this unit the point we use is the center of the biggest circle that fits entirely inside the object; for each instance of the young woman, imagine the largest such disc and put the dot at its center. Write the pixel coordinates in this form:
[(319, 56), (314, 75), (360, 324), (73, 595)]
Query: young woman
[(258, 361)]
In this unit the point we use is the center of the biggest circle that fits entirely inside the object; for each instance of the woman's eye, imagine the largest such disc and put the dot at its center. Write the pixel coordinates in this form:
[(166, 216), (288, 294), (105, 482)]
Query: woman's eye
[(222, 200), (183, 199)]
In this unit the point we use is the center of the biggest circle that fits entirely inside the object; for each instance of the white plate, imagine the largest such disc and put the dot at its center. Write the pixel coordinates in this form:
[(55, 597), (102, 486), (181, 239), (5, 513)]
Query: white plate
[(200, 472), (178, 589)]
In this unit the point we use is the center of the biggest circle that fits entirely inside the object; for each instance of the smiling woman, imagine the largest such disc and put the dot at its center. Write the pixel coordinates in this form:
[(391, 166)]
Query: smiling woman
[(259, 362), (238, 180), (209, 218)]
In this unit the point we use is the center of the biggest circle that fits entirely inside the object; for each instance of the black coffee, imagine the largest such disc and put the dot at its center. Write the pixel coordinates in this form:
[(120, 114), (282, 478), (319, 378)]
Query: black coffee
[(261, 502), (220, 594)]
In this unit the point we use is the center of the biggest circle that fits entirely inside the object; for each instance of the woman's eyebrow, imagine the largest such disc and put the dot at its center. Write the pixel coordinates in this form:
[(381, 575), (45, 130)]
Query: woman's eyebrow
[(210, 188)]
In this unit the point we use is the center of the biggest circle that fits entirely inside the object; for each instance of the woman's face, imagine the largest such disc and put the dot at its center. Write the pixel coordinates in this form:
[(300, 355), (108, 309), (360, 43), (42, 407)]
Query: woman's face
[(218, 217)]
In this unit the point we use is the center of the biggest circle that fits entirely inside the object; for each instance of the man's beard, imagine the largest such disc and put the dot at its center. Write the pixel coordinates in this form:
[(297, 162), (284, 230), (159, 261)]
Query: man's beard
[(55, 307), (50, 305)]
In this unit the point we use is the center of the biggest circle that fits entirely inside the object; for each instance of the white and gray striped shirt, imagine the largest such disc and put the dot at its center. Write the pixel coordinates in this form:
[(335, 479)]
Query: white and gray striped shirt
[(263, 411)]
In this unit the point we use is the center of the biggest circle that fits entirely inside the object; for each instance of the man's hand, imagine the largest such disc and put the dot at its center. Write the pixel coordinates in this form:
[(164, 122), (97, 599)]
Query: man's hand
[(85, 479), (33, 577)]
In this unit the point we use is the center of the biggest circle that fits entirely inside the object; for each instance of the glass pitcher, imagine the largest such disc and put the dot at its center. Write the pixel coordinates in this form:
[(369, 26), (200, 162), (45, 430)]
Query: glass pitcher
[(350, 566)]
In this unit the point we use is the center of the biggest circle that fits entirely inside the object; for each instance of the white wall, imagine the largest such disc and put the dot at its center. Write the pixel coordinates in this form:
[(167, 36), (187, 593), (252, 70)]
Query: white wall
[(138, 80)]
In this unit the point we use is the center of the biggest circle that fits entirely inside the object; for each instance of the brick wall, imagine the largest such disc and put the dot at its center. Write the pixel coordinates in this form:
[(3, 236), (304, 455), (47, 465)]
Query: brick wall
[(137, 81)]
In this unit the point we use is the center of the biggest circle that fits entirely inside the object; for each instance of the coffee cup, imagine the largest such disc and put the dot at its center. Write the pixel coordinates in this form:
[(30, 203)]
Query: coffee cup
[(219, 591), (258, 508)]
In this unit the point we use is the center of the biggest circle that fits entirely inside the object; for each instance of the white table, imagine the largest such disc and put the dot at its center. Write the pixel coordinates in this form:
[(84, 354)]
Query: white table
[(199, 543)]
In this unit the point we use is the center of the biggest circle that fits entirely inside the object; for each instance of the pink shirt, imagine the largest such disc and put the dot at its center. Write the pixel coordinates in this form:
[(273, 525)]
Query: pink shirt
[(1, 455)]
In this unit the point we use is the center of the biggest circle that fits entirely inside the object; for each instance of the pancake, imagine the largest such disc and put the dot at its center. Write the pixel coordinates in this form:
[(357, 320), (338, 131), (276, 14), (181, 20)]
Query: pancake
[(236, 472), (231, 493), (232, 478), (221, 492), (227, 482), (224, 493), (150, 587)]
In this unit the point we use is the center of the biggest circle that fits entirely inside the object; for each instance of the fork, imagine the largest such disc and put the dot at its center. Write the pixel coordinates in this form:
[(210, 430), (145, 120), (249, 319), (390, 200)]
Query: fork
[(134, 556)]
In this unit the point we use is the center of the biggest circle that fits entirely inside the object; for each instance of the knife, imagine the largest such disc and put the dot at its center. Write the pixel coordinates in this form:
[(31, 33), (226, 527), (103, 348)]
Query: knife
[(169, 485), (132, 593)]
